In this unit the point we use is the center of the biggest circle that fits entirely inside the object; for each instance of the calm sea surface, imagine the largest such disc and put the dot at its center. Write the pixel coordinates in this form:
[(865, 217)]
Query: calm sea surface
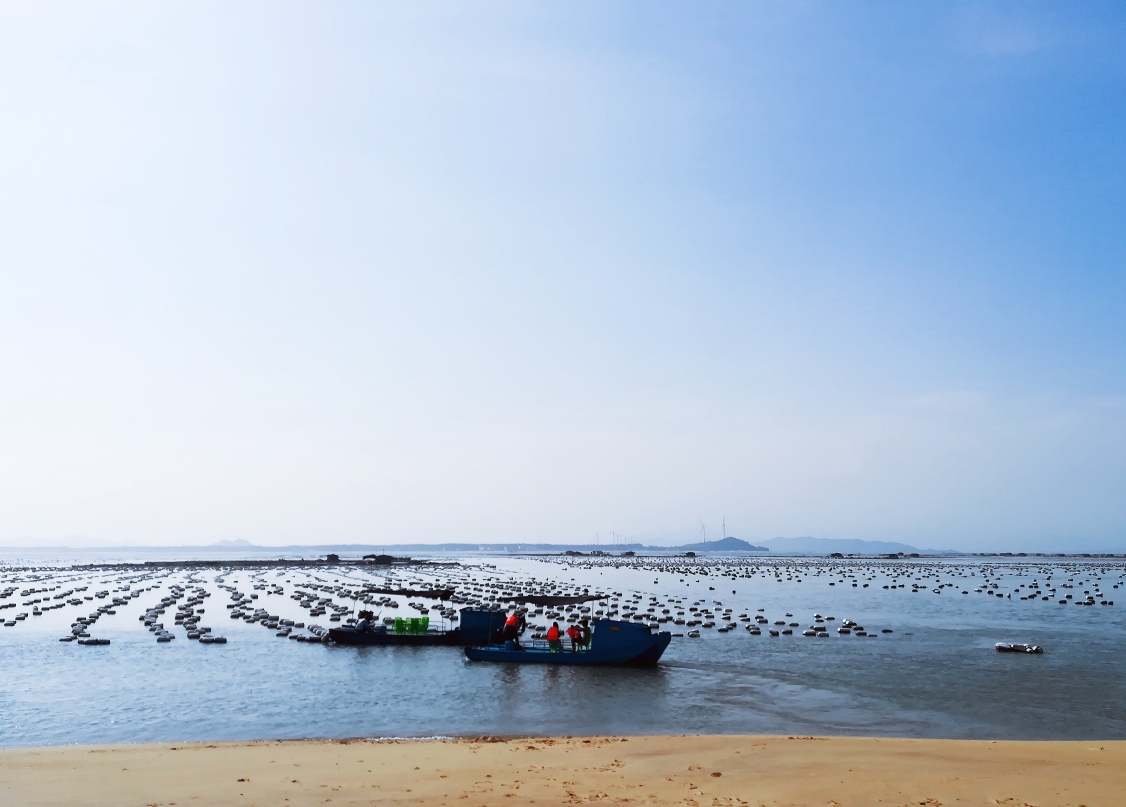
[(935, 675)]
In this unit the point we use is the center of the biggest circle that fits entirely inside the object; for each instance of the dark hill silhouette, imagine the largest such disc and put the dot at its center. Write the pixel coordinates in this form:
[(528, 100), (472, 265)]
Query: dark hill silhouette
[(725, 545)]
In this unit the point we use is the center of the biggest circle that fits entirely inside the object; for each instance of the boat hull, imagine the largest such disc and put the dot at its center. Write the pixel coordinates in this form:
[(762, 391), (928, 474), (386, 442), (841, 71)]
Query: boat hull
[(614, 644), (647, 658)]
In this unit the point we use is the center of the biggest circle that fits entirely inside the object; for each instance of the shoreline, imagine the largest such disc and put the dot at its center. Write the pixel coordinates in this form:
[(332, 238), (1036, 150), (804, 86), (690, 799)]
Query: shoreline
[(692, 770)]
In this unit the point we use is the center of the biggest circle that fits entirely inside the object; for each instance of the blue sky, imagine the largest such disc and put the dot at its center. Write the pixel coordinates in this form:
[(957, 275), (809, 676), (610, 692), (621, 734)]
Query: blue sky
[(482, 272)]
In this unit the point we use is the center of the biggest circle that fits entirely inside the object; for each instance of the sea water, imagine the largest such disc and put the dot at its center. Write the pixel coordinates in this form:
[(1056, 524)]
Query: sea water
[(935, 675)]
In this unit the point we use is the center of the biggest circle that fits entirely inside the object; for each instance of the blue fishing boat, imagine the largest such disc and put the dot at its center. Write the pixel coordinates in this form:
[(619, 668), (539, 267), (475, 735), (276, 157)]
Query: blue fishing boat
[(612, 644)]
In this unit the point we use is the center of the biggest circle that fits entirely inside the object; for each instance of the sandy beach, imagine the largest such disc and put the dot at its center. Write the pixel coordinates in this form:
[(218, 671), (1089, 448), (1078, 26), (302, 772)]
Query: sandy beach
[(685, 770)]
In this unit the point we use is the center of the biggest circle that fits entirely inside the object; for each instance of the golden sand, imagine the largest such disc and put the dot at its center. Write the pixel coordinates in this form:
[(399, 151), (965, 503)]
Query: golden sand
[(698, 771)]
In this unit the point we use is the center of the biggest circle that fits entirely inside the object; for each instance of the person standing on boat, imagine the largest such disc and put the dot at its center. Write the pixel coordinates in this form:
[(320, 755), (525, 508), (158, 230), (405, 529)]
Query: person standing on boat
[(554, 638), (513, 627), (586, 634), (576, 635)]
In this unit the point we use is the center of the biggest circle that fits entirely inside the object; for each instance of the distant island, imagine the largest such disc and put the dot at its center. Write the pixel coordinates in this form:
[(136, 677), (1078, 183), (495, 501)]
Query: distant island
[(723, 545)]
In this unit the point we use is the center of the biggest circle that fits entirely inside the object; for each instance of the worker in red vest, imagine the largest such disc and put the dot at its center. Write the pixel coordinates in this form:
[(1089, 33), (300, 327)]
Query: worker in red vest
[(576, 637), (513, 627), (554, 638)]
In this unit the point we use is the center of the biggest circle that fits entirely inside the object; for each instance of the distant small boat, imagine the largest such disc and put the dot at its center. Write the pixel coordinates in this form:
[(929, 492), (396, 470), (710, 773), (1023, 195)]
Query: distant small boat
[(1007, 647)]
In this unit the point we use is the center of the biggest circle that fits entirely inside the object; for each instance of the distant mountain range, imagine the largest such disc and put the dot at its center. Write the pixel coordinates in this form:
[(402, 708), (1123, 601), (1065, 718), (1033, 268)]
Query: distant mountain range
[(775, 546), (778, 546)]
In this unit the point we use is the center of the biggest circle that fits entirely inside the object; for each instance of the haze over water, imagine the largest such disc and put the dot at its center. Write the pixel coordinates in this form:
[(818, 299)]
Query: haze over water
[(935, 675)]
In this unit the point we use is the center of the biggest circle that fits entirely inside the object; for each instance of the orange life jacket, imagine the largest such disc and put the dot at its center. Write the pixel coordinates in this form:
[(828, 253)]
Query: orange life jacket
[(553, 634), (574, 632), (512, 621)]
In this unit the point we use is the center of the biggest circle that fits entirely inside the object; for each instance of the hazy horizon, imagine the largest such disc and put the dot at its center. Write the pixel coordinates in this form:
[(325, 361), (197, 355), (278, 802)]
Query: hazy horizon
[(778, 545), (271, 271)]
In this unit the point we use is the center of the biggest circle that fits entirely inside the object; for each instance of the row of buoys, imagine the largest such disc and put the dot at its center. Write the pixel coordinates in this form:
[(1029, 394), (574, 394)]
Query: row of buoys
[(483, 586), (848, 570)]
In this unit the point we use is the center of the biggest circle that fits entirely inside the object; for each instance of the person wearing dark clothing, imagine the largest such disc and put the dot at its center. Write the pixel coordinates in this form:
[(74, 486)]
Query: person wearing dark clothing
[(586, 634), (515, 625)]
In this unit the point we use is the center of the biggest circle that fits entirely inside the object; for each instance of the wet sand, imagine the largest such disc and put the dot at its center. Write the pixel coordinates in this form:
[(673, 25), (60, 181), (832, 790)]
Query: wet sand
[(687, 770)]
